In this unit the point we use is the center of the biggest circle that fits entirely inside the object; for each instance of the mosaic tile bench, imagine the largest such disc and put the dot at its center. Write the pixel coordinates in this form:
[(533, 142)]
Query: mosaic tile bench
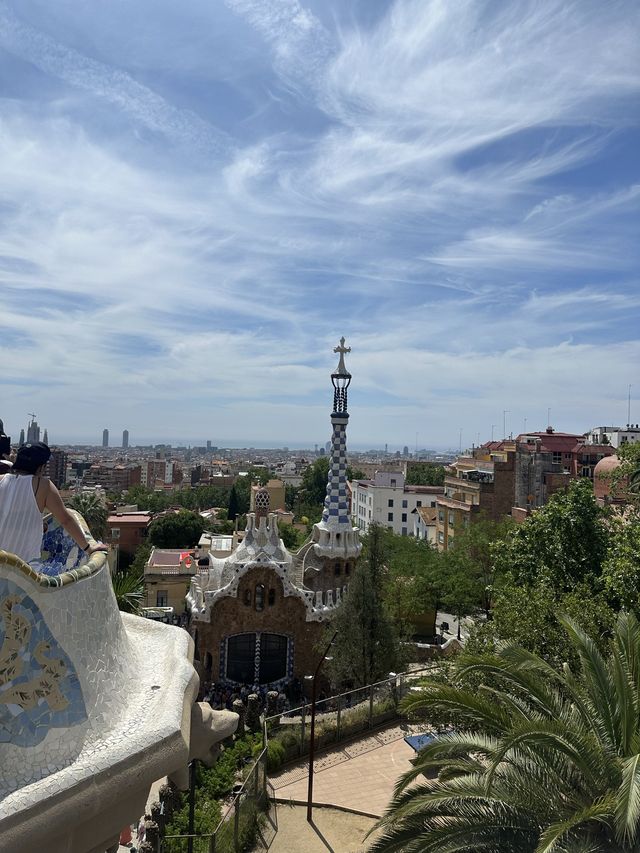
[(95, 705)]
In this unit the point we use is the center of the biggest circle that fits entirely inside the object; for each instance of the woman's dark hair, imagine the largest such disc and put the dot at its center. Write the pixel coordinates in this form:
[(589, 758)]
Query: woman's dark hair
[(5, 444), (31, 456)]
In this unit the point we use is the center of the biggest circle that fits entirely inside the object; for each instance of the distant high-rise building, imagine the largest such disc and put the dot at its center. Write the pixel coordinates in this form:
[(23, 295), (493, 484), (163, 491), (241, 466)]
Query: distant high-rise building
[(327, 447), (405, 450), (125, 438), (105, 438), (21, 442), (386, 448), (57, 467), (209, 444), (45, 437)]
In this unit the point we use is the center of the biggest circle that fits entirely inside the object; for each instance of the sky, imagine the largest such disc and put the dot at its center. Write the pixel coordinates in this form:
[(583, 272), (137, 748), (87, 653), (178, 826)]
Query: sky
[(198, 199)]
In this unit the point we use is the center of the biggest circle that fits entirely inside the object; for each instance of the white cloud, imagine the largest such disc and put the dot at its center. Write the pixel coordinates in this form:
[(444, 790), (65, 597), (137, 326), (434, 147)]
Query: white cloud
[(415, 194)]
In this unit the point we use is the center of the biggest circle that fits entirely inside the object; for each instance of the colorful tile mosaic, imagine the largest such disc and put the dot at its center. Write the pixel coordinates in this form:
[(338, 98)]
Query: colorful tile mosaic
[(59, 552), (39, 687)]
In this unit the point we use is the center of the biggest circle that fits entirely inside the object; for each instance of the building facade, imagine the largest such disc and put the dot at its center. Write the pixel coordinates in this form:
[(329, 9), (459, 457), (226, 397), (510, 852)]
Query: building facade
[(614, 436), (389, 501), (258, 615)]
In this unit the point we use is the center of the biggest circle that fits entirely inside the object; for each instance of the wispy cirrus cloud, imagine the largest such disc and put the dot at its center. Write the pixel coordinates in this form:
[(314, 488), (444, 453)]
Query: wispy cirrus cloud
[(193, 213)]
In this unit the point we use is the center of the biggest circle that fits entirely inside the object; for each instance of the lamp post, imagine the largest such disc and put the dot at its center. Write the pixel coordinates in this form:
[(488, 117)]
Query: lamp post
[(314, 678), (192, 804)]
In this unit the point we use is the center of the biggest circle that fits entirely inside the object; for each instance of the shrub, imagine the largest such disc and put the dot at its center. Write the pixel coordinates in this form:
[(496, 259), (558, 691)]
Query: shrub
[(275, 755)]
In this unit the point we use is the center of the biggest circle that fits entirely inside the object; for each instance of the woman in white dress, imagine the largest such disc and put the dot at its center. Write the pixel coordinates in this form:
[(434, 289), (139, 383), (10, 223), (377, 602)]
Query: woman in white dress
[(25, 493)]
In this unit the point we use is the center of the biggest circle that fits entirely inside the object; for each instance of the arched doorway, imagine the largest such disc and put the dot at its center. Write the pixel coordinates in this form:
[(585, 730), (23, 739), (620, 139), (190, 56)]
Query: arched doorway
[(260, 658)]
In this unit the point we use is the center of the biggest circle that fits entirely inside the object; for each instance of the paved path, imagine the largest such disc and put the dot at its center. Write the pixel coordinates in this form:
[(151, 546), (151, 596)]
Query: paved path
[(332, 831), (361, 775)]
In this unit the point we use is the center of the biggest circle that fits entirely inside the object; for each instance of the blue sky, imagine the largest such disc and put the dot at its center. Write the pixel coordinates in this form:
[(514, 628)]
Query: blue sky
[(198, 199)]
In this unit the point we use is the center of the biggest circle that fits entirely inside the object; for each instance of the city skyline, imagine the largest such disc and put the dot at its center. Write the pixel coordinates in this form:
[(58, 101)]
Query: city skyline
[(196, 213)]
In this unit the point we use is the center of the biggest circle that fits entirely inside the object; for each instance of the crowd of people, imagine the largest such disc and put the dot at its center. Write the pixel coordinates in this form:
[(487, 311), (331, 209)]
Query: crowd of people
[(222, 695)]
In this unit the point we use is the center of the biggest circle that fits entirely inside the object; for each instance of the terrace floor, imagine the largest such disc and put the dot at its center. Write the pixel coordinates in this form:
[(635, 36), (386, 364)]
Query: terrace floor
[(359, 775)]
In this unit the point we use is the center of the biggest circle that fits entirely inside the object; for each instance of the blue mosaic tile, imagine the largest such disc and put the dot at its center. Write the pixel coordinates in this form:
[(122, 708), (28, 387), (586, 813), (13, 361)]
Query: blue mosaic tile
[(59, 552), (39, 687)]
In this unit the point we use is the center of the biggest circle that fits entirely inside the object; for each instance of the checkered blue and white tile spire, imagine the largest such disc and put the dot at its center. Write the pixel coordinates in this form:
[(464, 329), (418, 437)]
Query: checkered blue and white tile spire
[(336, 507), (335, 536)]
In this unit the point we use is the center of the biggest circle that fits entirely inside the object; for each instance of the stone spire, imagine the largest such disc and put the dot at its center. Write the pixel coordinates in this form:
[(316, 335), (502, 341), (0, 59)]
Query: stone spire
[(335, 534)]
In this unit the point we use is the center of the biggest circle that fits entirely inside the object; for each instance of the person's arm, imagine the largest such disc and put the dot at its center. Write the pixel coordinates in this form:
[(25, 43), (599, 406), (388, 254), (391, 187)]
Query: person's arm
[(53, 502)]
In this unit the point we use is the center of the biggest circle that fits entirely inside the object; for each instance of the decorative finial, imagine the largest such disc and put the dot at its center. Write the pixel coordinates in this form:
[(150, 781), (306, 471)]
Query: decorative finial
[(342, 349)]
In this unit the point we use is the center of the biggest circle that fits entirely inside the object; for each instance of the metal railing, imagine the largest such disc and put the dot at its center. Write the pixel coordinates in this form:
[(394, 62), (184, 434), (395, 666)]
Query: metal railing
[(342, 716), (240, 824), (338, 718)]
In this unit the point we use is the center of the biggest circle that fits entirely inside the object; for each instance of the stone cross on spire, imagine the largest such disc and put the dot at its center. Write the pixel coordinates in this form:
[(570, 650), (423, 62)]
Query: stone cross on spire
[(342, 349)]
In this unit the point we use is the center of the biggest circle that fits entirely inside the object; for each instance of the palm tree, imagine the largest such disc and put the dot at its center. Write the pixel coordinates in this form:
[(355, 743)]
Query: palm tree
[(539, 761), (93, 512), (129, 591)]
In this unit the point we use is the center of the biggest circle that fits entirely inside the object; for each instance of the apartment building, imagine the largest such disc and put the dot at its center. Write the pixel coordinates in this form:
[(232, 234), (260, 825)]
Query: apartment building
[(387, 500)]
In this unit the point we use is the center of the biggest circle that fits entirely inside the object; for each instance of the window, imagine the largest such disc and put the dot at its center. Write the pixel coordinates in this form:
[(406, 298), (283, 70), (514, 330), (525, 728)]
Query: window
[(247, 597), (557, 456), (241, 654), (404, 531), (115, 532), (451, 519), (272, 597), (347, 568), (336, 569), (260, 596), (393, 484), (273, 658), (418, 503), (441, 537), (390, 502), (404, 504), (389, 516), (162, 598), (441, 515), (404, 516), (261, 656)]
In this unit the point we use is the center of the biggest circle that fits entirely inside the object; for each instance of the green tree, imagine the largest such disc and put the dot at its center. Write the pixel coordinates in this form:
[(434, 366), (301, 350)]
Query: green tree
[(355, 473), (621, 570), (366, 648), (626, 478), (539, 760), (176, 530), (93, 512), (234, 504), (140, 559), (469, 567), (425, 474), (413, 583), (561, 544), (553, 562), (314, 482), (289, 536), (291, 497)]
